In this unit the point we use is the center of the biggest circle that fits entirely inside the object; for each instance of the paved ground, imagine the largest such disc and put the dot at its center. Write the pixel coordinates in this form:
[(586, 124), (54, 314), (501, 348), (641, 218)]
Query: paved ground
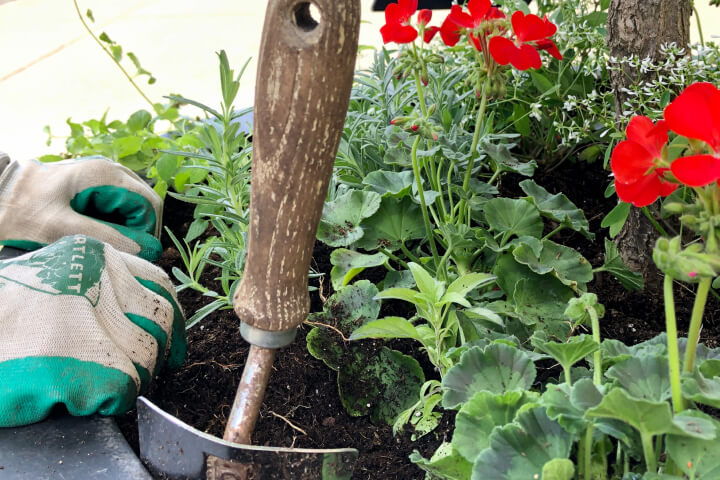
[(51, 70)]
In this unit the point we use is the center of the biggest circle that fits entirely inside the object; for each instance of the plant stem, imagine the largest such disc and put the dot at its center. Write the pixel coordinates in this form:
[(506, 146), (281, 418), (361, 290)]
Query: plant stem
[(597, 355), (423, 206), (409, 254), (696, 323), (659, 228), (587, 452), (699, 24), (391, 256), (476, 135), (421, 95), (673, 351), (568, 376), (556, 230), (109, 54), (649, 453)]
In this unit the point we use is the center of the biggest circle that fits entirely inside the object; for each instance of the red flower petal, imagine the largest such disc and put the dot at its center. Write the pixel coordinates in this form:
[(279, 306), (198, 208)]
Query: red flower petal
[(429, 33), (395, 32), (479, 10), (460, 18), (695, 113), (526, 58), (502, 49), (641, 193), (696, 170), (530, 27), (424, 16), (550, 47), (450, 31), (495, 13), (400, 12), (630, 161), (652, 137)]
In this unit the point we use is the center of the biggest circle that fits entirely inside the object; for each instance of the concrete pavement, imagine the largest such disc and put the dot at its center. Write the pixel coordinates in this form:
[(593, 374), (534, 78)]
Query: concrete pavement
[(51, 70)]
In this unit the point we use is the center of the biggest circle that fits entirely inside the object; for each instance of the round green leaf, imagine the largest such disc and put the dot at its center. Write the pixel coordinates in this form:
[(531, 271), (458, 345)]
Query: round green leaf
[(513, 216), (340, 222), (645, 377), (390, 184), (498, 368), (520, 450), (382, 384), (480, 415), (395, 222)]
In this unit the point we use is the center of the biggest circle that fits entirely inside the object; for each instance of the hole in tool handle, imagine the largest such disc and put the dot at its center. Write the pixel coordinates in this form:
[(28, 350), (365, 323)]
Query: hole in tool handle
[(306, 16)]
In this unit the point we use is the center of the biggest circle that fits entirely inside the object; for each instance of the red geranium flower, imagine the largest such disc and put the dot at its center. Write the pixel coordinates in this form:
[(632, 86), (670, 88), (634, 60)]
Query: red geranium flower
[(397, 26), (424, 17), (695, 113), (531, 35), (458, 21), (635, 162)]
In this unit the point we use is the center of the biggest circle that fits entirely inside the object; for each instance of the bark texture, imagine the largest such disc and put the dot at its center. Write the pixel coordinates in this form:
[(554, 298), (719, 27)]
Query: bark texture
[(304, 77), (641, 27)]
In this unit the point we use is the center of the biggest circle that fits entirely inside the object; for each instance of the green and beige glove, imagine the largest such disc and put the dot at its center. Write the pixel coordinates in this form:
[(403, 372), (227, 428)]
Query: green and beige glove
[(42, 202), (84, 325)]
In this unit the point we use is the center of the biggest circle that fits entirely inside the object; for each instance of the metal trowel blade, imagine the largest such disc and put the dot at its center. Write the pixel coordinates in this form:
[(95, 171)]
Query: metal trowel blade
[(178, 451)]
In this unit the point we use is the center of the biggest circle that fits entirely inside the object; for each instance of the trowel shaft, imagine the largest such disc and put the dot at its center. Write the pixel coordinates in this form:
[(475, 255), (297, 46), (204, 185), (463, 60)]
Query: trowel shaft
[(249, 396)]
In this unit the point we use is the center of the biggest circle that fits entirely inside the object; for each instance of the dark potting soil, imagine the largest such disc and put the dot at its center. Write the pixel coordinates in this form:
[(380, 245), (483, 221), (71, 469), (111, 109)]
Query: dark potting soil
[(302, 408)]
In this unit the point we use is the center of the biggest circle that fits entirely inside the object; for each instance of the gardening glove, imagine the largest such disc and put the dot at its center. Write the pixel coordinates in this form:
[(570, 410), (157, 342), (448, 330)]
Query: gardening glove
[(40, 203), (84, 325)]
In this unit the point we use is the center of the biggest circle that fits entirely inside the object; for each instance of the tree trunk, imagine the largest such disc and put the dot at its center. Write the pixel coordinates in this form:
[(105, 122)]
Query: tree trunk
[(641, 27)]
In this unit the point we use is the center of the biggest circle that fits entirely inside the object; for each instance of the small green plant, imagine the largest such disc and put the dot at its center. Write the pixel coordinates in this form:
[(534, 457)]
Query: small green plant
[(221, 197)]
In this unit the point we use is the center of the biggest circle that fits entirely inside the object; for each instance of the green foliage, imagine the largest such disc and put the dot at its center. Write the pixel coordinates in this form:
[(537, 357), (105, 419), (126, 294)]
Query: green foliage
[(340, 222), (379, 382), (219, 187), (497, 369), (521, 449)]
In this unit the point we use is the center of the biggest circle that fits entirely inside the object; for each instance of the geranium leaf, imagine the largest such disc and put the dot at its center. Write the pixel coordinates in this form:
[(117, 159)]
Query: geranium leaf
[(697, 458), (340, 221), (557, 207), (569, 353), (390, 184), (565, 263), (521, 449), (381, 385), (648, 418), (348, 263), (702, 390), (567, 405), (352, 306), (500, 153), (480, 415), (513, 216), (497, 368), (645, 377), (395, 222)]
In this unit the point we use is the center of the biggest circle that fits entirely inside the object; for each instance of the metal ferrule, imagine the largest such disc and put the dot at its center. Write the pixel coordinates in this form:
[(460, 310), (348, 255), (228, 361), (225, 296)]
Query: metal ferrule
[(265, 338)]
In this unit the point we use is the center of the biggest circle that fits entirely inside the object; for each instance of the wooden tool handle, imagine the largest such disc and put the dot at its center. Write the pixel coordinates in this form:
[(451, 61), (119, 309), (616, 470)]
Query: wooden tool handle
[(303, 86)]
